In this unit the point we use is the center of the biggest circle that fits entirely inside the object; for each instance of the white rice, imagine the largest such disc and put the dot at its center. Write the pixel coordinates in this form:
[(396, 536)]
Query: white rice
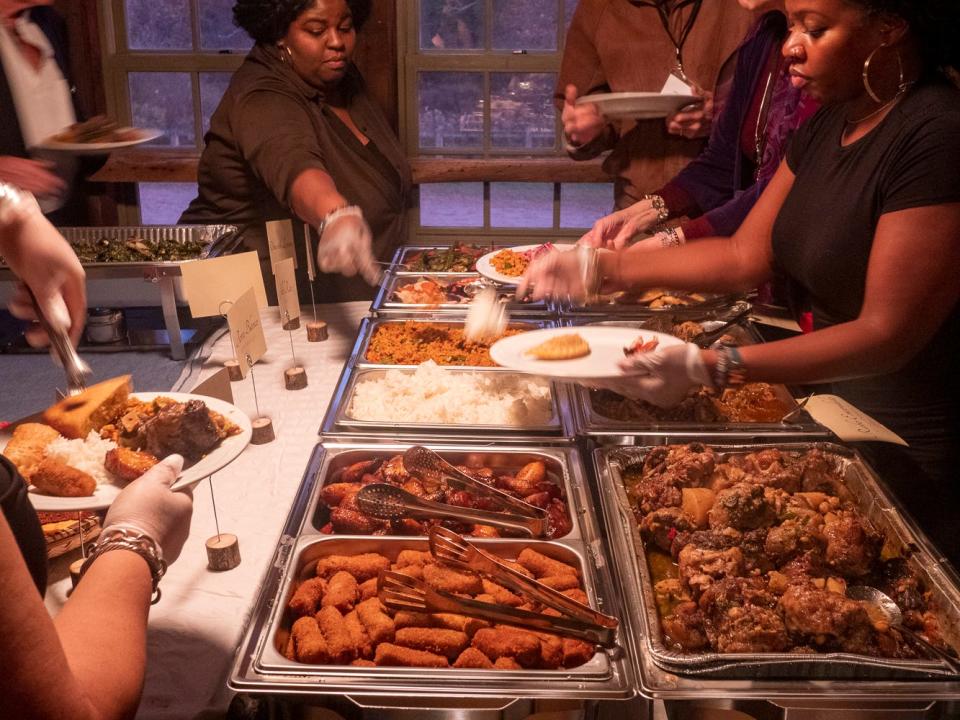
[(433, 394), (85, 454)]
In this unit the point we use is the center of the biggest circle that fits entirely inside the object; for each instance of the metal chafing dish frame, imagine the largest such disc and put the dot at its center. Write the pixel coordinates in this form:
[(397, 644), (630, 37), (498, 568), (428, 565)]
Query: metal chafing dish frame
[(164, 273), (369, 325), (289, 679), (336, 422), (384, 306), (659, 682)]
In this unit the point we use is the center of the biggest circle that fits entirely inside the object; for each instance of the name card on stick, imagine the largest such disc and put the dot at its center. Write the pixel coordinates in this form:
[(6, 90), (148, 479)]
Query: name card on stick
[(246, 330), (847, 422), (210, 283), (280, 242), (287, 296)]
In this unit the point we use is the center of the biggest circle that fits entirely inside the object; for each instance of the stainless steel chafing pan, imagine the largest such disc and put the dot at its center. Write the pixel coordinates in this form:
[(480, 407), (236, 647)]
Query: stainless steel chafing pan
[(461, 288)]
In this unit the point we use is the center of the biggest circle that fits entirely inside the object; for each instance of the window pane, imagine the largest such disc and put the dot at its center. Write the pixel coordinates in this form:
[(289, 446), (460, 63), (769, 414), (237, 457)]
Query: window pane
[(212, 87), (521, 205), (164, 101), (162, 203), (451, 109), (522, 114), (524, 25), (451, 205), (582, 204), (158, 24), (217, 31), (451, 24)]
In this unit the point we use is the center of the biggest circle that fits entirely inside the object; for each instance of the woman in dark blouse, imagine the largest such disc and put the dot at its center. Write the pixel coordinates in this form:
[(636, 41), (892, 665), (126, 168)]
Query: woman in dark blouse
[(297, 135), (863, 217)]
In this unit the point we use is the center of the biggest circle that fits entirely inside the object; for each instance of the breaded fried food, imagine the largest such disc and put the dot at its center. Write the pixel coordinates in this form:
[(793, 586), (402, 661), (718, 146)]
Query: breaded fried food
[(561, 582), (27, 446), (358, 634), (335, 493), (77, 415), (367, 589), (340, 644), (506, 663), (290, 648), (562, 347), (53, 477), (361, 662), (443, 578), (379, 626), (449, 643), (500, 594), (473, 659), (577, 594), (551, 651), (576, 652), (408, 618), (500, 641), (128, 464), (342, 592), (542, 566), (452, 621), (391, 655), (308, 641), (362, 567), (306, 600), (412, 557)]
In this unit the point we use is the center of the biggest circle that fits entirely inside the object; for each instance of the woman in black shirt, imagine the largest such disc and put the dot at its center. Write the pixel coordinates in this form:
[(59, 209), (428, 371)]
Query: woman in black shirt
[(863, 217)]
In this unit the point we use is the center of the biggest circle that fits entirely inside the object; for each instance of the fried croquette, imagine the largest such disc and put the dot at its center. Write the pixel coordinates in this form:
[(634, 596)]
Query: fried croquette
[(501, 641), (379, 626), (362, 567), (451, 581), (392, 655), (27, 446), (128, 464), (561, 582), (506, 663), (309, 642), (306, 600), (409, 618), (53, 477), (449, 643), (551, 651), (473, 659), (577, 594), (542, 566), (500, 595), (452, 621), (340, 644), (412, 557), (341, 592), (358, 634), (368, 589), (576, 652), (290, 648), (361, 662)]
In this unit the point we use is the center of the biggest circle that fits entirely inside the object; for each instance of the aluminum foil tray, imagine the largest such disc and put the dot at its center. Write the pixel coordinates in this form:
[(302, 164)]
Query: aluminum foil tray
[(462, 288)]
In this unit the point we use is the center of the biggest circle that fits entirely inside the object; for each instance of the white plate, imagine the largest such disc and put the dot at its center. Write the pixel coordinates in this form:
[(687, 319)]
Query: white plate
[(145, 135), (105, 493), (606, 350), (637, 105), (485, 268)]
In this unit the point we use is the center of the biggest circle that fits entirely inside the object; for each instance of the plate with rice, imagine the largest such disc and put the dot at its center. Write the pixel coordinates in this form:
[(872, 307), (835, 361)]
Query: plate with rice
[(507, 266), (87, 454)]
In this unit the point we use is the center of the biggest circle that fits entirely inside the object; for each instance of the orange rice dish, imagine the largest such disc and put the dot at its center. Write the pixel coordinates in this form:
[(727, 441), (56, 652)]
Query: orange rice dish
[(412, 342), (510, 263)]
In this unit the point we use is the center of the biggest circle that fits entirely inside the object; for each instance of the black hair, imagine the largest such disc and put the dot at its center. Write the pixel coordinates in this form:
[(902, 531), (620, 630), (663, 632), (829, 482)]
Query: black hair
[(266, 21), (934, 23)]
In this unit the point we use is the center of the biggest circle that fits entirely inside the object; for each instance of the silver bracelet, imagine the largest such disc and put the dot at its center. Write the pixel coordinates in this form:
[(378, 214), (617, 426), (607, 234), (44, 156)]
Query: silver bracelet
[(127, 538), (730, 368), (336, 213), (15, 204), (657, 203), (669, 237)]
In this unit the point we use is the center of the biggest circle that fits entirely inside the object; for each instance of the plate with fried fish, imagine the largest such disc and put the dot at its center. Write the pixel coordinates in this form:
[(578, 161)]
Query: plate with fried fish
[(576, 353)]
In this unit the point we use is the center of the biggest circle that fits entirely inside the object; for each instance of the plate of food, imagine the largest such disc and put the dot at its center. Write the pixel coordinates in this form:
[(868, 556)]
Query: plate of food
[(638, 105), (582, 353), (97, 136), (79, 453), (507, 265)]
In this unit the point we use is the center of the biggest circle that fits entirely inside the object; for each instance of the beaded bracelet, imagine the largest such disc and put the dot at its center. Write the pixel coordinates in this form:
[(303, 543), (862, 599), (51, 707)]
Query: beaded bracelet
[(670, 237), (730, 368), (127, 538), (658, 204)]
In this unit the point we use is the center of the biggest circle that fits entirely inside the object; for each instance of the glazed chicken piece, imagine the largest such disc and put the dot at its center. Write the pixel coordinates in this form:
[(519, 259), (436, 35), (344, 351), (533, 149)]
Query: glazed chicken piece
[(128, 464), (654, 493), (700, 566), (689, 465), (740, 616), (820, 474), (683, 629), (744, 506), (769, 468), (852, 548), (184, 428), (828, 619), (661, 526)]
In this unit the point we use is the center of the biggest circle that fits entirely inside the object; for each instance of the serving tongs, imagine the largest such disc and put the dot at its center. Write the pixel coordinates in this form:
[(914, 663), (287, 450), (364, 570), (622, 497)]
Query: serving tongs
[(74, 366), (402, 592), (389, 502), (432, 469), (706, 338), (454, 550)]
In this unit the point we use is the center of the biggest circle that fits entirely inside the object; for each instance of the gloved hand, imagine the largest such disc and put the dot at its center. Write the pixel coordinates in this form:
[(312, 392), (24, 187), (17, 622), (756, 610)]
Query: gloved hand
[(662, 377), (581, 123), (567, 274), (345, 245), (45, 263), (149, 506), (694, 120), (615, 230)]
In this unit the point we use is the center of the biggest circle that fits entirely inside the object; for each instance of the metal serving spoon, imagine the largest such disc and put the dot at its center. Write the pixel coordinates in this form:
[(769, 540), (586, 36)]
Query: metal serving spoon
[(879, 605)]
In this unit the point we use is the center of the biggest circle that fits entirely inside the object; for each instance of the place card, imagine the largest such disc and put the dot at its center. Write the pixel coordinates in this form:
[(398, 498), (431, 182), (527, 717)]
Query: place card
[(847, 422), (676, 86), (280, 242), (287, 296), (216, 386), (211, 283), (246, 331)]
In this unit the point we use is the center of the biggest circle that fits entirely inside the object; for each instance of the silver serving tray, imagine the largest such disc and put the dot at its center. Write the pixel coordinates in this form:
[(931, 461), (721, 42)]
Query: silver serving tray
[(717, 303), (339, 418), (386, 302), (369, 326), (406, 252), (563, 469), (877, 508)]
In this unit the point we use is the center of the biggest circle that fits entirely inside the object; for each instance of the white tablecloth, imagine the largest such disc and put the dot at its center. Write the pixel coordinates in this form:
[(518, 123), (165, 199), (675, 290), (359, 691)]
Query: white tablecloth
[(197, 624)]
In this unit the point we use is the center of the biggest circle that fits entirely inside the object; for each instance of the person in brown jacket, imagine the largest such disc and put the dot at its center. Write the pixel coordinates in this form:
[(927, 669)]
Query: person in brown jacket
[(635, 45)]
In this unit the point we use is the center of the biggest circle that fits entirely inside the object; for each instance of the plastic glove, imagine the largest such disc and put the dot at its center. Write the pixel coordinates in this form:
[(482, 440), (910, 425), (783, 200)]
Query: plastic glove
[(32, 176), (694, 120), (487, 317), (662, 377), (614, 231), (581, 123), (567, 274), (346, 245), (149, 506), (45, 263)]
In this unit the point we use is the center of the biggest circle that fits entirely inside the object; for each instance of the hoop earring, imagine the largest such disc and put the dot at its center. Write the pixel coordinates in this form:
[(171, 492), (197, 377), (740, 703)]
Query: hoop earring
[(286, 54), (901, 86)]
